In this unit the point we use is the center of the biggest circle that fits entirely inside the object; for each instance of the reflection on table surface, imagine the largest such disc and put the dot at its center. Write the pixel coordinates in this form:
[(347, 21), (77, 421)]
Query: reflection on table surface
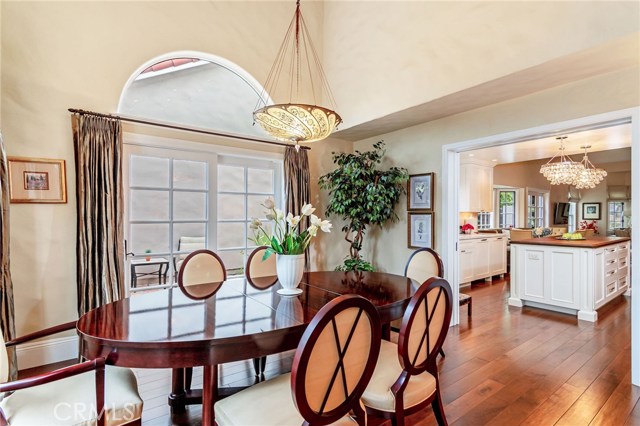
[(234, 308)]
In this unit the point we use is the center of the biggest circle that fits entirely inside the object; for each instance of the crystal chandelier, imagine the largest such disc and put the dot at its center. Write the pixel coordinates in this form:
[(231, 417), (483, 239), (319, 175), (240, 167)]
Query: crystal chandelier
[(297, 121), (589, 176), (563, 172)]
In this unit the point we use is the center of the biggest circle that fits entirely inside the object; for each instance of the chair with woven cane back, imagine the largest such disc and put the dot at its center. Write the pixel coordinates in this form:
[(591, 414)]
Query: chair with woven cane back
[(405, 379), (331, 368)]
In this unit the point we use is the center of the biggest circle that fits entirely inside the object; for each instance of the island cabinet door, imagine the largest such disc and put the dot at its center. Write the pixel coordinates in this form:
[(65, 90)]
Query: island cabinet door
[(481, 259), (563, 277)]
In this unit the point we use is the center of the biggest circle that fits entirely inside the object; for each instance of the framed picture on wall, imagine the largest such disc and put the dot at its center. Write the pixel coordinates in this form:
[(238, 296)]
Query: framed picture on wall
[(37, 180), (420, 227), (591, 211), (420, 192)]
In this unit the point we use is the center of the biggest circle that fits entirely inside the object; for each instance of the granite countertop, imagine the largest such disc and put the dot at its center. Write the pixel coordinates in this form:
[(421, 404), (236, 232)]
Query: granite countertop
[(593, 242)]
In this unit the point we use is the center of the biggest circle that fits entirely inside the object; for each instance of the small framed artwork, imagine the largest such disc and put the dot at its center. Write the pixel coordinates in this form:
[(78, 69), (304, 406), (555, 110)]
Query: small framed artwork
[(37, 180), (591, 211), (420, 227), (420, 191)]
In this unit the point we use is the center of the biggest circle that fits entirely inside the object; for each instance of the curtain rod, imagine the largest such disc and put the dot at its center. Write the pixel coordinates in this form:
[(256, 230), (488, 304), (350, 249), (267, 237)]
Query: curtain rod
[(176, 127)]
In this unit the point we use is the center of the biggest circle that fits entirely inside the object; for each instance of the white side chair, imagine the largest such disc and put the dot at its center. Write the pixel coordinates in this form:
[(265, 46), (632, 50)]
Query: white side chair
[(405, 379), (331, 368), (72, 395)]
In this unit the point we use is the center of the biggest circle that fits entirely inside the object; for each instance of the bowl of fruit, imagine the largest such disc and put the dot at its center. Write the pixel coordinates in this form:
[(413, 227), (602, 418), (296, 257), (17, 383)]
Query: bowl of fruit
[(571, 236)]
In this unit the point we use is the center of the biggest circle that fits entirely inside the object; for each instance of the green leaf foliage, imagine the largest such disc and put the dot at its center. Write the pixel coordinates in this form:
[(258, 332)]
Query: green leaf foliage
[(358, 264), (361, 193)]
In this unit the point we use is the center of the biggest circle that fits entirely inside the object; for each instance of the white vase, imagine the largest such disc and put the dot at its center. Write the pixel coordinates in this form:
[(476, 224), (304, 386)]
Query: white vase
[(289, 269)]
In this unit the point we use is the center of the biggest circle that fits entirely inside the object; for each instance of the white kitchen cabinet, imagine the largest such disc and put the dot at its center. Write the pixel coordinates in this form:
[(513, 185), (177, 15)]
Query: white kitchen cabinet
[(497, 255), (576, 278), (482, 256), (476, 187)]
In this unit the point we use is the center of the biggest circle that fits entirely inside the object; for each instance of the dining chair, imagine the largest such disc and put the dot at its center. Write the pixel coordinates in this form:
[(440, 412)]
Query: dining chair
[(201, 275), (331, 368), (261, 274), (69, 395), (425, 263), (405, 379)]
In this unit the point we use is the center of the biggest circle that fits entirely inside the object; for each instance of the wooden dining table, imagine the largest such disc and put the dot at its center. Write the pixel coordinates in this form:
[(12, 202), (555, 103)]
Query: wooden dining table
[(231, 321)]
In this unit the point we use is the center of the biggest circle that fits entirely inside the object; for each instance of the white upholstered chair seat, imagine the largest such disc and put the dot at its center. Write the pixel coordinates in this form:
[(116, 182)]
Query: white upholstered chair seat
[(378, 393), (266, 403), (53, 404)]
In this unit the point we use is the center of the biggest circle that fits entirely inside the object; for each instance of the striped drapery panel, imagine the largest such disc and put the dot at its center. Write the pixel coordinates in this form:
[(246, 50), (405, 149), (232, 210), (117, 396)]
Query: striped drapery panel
[(100, 203), (296, 183), (6, 286)]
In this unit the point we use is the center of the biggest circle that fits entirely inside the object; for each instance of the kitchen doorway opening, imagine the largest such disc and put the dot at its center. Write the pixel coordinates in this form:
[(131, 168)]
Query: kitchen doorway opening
[(452, 154)]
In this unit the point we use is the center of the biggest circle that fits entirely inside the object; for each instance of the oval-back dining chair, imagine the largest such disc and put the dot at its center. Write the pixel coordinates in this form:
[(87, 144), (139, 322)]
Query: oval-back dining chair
[(405, 379), (331, 368), (261, 274), (201, 275)]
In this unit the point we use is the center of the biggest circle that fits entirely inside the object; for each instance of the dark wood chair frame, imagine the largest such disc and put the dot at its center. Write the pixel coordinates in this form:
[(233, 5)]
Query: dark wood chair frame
[(184, 376), (321, 320), (97, 365), (429, 365), (259, 364), (440, 264), (247, 270)]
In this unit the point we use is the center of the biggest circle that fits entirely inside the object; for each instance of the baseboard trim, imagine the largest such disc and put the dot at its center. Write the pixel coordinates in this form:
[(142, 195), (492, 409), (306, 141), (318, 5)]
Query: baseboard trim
[(48, 351)]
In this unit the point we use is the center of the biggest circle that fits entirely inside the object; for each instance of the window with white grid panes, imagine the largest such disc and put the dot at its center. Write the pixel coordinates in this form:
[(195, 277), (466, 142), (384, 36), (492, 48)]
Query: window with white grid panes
[(506, 209), (484, 220), (243, 186), (167, 198), (616, 215), (535, 209)]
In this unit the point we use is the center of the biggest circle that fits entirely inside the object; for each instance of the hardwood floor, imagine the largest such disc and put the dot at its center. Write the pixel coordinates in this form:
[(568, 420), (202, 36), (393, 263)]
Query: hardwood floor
[(505, 366)]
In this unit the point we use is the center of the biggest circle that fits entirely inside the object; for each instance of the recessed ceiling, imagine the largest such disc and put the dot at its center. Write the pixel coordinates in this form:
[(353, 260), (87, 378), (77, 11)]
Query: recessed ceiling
[(603, 139)]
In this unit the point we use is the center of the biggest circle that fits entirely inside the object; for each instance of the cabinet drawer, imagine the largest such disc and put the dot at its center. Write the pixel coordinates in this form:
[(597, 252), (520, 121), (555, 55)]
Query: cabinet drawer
[(622, 253), (610, 265), (611, 288), (622, 283), (622, 272), (610, 274), (610, 253), (622, 263)]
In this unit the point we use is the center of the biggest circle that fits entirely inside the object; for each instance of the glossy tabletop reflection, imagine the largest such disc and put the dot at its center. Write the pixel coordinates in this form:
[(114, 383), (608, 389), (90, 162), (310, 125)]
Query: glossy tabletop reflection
[(168, 328)]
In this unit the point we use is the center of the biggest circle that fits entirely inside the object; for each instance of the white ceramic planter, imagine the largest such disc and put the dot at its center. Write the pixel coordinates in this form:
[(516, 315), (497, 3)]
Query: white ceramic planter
[(290, 269)]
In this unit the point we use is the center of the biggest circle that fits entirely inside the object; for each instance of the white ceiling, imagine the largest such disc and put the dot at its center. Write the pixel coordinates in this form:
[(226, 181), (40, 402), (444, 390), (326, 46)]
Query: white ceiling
[(603, 139)]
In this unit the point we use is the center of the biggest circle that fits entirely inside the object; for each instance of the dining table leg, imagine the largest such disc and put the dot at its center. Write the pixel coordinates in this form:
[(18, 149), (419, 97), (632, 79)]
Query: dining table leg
[(209, 394)]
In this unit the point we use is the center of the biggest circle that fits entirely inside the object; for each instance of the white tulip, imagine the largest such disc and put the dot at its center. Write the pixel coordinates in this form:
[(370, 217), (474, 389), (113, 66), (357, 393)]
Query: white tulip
[(315, 220), (270, 216), (269, 203), (313, 230), (255, 223), (292, 220), (325, 225), (279, 214), (307, 209)]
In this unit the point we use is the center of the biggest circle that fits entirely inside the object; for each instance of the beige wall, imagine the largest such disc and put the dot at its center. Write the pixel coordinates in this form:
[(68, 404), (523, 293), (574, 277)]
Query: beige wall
[(419, 148), (385, 56), (57, 55)]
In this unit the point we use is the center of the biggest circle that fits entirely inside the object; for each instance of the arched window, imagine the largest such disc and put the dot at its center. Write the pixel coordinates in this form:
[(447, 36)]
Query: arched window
[(196, 90)]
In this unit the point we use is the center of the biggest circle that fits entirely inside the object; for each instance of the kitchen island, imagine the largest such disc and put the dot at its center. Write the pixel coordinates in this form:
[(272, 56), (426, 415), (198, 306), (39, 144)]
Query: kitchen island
[(571, 276)]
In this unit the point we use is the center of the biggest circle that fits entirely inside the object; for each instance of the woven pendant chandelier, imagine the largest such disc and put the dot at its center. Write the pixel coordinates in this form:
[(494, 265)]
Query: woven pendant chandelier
[(590, 176), (563, 172), (297, 122)]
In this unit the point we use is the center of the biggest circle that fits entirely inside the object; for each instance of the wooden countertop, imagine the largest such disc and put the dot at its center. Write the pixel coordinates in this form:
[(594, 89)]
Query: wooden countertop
[(593, 242)]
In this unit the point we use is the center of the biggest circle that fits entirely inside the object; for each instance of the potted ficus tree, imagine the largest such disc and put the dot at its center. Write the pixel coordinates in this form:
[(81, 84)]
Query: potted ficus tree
[(363, 195)]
